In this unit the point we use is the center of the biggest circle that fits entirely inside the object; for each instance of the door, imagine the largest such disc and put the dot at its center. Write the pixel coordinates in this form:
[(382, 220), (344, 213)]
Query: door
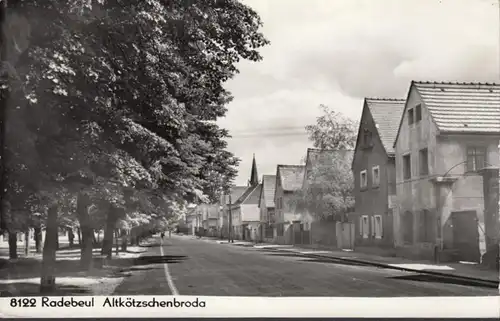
[(466, 236)]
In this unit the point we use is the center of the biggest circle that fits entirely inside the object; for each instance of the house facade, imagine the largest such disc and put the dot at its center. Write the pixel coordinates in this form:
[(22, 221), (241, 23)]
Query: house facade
[(373, 168), (289, 179), (243, 207), (447, 143), (246, 214), (210, 218), (266, 208)]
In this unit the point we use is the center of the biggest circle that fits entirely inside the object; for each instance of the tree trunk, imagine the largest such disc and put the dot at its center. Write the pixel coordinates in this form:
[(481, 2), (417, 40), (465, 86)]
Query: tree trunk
[(86, 230), (107, 241), (48, 277), (57, 239), (38, 239), (79, 233), (12, 244), (27, 242), (71, 237), (132, 236), (124, 240), (117, 243)]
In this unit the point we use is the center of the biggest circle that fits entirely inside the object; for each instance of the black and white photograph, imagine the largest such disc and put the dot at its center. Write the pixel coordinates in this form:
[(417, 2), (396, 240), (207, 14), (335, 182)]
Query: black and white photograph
[(250, 148)]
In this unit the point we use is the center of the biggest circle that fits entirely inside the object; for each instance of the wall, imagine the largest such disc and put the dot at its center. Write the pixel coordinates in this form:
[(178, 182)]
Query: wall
[(324, 233), (417, 193), (262, 208), (372, 200), (446, 156), (250, 213)]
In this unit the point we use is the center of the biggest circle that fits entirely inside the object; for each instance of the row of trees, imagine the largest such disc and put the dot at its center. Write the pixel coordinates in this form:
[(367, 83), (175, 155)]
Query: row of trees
[(109, 111)]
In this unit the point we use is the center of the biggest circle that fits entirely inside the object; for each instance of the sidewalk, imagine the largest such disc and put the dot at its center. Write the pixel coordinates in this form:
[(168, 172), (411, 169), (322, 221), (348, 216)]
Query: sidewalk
[(459, 270), (21, 277)]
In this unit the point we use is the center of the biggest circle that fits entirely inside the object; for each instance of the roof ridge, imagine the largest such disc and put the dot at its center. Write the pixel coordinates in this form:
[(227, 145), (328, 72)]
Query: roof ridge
[(475, 83), (385, 99), (282, 165)]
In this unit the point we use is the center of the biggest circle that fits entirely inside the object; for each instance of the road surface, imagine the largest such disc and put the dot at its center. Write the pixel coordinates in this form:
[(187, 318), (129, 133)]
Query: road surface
[(187, 266)]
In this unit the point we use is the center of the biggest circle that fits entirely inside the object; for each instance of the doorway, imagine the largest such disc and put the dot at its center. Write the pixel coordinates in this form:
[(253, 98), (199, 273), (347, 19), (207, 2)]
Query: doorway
[(466, 236)]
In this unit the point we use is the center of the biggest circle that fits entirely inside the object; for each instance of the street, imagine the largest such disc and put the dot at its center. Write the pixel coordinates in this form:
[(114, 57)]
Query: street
[(204, 267)]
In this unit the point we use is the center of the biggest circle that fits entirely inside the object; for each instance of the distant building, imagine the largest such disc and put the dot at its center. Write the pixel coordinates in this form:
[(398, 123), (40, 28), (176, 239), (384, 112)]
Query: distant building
[(289, 179), (267, 208)]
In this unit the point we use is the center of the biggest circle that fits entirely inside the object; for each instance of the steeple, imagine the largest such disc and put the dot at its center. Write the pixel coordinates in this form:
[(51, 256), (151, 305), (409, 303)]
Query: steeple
[(254, 177)]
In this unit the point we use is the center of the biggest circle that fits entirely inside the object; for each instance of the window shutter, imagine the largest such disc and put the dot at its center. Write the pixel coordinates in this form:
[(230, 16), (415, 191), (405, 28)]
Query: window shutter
[(361, 225)]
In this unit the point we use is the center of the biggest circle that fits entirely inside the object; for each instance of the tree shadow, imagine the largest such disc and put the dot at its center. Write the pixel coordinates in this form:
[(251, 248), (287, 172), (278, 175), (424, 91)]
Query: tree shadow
[(159, 259), (286, 254), (333, 261), (437, 279), (16, 289)]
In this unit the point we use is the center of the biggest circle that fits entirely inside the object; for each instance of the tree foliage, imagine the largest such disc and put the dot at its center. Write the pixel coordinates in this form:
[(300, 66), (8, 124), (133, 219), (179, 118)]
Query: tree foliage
[(328, 189), (119, 98), (333, 130)]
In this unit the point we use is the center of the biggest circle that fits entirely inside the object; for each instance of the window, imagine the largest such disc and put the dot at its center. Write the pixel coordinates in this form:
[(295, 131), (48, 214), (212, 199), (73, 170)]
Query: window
[(410, 117), (418, 113), (376, 176), (364, 226), (363, 181), (426, 227), (424, 162), (476, 158), (406, 167), (367, 138), (378, 226)]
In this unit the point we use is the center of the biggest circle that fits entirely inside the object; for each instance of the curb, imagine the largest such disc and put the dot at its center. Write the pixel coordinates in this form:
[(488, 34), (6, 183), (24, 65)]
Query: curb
[(476, 281)]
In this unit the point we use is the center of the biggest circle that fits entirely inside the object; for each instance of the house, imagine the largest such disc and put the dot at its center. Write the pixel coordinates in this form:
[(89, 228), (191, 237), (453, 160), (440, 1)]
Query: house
[(192, 220), (227, 203), (210, 218), (236, 218), (246, 214), (289, 179), (266, 208), (447, 159), (373, 167)]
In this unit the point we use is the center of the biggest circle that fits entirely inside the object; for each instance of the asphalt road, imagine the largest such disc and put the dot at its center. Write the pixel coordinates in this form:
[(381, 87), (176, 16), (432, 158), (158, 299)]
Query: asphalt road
[(202, 267)]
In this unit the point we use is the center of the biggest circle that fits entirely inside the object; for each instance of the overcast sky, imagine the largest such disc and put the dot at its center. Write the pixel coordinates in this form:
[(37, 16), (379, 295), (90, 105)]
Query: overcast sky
[(336, 52)]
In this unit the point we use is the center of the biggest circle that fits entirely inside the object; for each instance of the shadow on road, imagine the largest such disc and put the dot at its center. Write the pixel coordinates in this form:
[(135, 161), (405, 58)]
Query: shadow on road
[(286, 254), (330, 261), (436, 279), (158, 259)]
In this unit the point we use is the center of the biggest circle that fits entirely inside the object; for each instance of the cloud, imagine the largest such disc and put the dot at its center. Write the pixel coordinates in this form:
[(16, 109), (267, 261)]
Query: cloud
[(336, 52)]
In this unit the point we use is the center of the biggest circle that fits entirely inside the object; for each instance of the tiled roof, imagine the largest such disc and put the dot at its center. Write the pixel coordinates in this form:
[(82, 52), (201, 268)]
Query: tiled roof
[(236, 193), (269, 187), (291, 176), (386, 114), (462, 107), (254, 196), (314, 155)]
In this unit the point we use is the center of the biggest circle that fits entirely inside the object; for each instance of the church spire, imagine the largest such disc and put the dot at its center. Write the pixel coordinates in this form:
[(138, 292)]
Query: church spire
[(254, 177)]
